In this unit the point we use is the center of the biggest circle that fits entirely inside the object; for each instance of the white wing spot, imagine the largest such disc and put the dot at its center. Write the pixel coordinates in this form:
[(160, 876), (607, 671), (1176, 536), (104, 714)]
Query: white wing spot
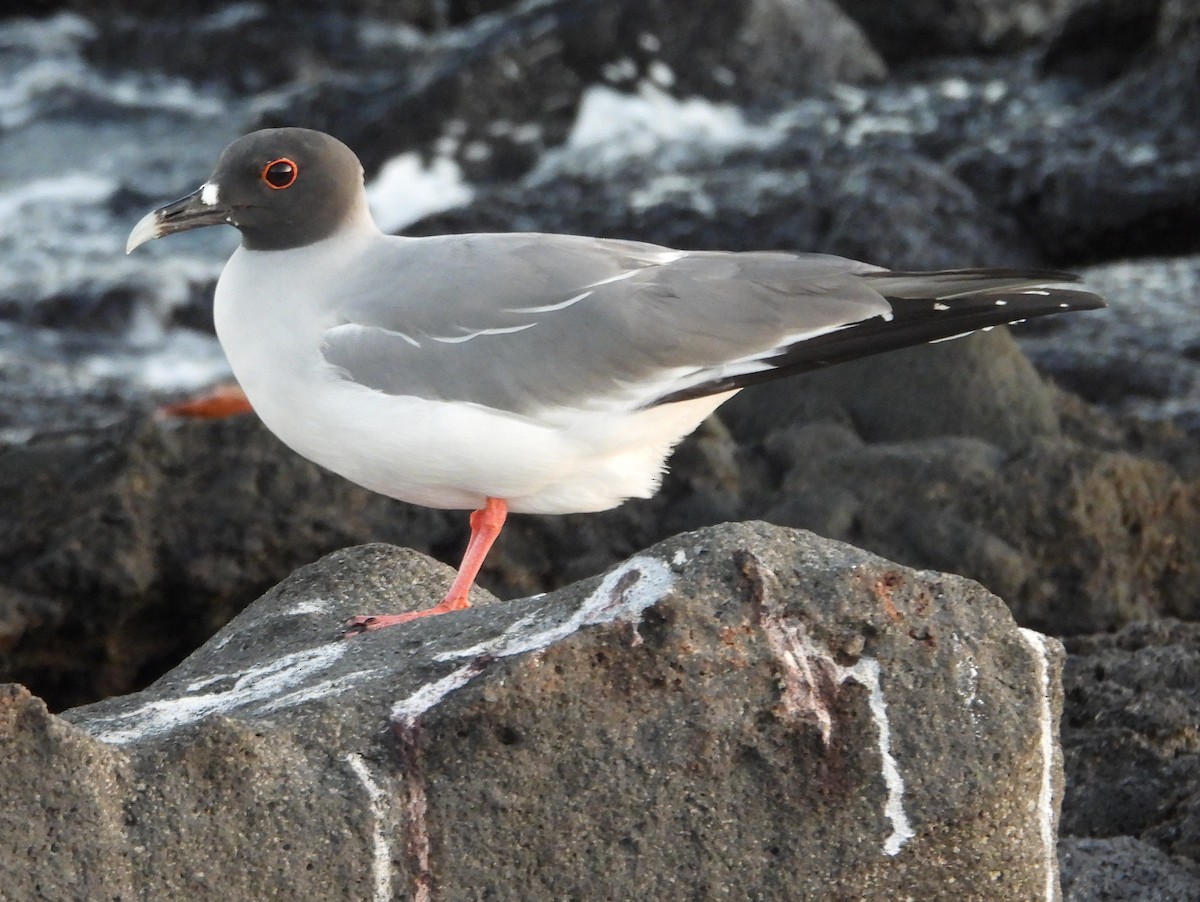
[(940, 307), (1001, 303), (628, 274), (1037, 291), (550, 308), (459, 339)]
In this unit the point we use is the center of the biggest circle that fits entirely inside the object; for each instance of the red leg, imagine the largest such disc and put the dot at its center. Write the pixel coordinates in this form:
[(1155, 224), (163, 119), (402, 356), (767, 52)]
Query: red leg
[(225, 400), (485, 527)]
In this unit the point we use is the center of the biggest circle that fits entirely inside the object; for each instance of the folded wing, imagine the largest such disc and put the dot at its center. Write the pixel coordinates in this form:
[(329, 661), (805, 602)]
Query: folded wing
[(525, 322)]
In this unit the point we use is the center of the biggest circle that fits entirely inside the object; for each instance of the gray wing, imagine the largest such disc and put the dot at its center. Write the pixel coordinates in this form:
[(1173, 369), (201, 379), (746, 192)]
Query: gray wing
[(522, 322)]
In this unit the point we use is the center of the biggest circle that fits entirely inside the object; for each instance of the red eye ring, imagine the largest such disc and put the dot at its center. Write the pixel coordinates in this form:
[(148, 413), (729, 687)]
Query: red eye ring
[(280, 174)]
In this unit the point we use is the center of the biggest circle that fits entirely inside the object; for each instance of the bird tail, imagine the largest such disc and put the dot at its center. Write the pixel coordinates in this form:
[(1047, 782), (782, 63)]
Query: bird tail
[(927, 307), (936, 306)]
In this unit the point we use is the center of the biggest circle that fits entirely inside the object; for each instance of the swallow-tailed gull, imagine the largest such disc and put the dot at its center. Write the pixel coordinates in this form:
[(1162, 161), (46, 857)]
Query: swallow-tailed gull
[(532, 373)]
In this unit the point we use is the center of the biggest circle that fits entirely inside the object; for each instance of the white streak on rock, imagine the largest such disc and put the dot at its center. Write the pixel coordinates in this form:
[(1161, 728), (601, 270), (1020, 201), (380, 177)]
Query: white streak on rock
[(308, 606), (1037, 643), (809, 673), (623, 594), (323, 689), (408, 710), (207, 681), (256, 684), (866, 673), (381, 863)]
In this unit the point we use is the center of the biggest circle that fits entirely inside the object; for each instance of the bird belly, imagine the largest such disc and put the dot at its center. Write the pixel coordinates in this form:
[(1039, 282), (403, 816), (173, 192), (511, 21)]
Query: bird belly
[(455, 455)]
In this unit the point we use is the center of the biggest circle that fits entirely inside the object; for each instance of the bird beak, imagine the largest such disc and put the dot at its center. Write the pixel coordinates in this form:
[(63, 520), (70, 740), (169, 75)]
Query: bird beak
[(200, 208)]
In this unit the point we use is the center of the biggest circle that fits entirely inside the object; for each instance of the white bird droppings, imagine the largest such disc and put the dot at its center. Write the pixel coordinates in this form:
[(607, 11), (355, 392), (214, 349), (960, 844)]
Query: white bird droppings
[(381, 862), (865, 672), (210, 193), (264, 683), (804, 665), (1037, 644), (623, 594)]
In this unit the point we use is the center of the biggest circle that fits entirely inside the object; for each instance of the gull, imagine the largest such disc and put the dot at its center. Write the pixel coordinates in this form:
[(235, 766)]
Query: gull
[(525, 372)]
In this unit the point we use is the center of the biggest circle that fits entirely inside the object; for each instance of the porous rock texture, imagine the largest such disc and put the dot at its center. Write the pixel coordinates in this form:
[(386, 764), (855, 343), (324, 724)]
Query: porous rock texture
[(1132, 738), (743, 711)]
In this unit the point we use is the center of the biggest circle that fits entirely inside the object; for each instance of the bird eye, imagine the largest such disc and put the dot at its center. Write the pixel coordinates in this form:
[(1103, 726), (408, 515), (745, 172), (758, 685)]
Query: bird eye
[(280, 174)]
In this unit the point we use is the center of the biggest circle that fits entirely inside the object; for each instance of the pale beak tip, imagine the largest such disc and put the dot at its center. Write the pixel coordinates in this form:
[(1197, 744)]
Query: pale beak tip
[(147, 229)]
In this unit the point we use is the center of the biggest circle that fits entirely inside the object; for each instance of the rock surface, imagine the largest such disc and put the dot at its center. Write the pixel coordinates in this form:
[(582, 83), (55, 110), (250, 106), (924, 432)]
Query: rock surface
[(907, 30), (744, 707), (1123, 869), (1131, 737)]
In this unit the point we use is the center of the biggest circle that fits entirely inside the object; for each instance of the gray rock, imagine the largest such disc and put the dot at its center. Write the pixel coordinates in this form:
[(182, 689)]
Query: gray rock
[(1074, 538), (1130, 738), (1123, 869), (878, 202), (499, 81), (746, 707), (910, 30), (1101, 40), (1112, 174), (1142, 357), (123, 549)]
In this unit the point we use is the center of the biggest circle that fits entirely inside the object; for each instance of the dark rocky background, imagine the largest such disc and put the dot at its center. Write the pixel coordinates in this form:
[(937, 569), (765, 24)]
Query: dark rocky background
[(910, 134)]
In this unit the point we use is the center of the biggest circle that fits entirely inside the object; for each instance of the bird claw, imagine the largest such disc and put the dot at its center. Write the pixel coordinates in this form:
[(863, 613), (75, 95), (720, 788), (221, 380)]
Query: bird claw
[(356, 626), (364, 623)]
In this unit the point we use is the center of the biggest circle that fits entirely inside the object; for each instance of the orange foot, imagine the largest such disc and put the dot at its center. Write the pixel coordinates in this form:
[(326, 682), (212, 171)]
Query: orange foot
[(366, 622), (225, 400), (486, 524)]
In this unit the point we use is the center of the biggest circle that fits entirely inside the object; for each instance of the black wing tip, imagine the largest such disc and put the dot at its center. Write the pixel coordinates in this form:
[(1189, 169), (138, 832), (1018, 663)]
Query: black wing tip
[(914, 321), (1056, 300), (1084, 300), (1033, 276)]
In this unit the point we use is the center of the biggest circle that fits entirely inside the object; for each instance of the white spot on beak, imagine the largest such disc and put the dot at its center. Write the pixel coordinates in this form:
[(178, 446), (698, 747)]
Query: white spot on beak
[(940, 306), (210, 193), (1001, 303)]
